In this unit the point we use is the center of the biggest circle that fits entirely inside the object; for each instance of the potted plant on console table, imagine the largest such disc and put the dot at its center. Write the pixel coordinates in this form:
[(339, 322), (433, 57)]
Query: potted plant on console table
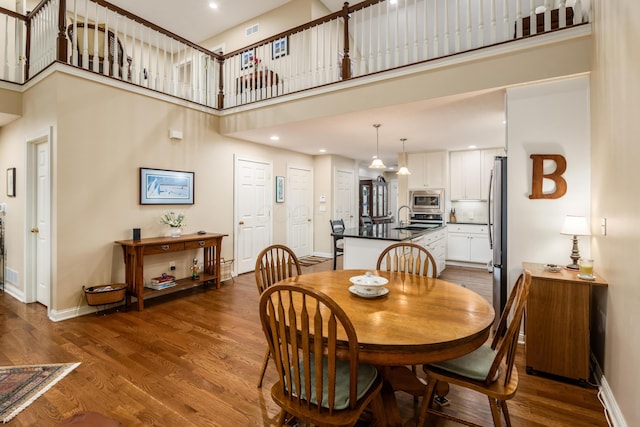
[(174, 221)]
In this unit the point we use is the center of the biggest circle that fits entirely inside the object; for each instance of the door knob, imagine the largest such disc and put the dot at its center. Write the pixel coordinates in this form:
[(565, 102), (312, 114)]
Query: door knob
[(35, 230), (241, 223), (308, 219)]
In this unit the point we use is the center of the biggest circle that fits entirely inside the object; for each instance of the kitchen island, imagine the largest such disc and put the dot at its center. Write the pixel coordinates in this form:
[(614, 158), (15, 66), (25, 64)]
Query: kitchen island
[(363, 245)]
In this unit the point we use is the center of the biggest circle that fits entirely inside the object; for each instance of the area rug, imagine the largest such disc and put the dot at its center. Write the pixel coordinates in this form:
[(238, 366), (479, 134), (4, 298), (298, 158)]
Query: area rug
[(312, 260), (22, 385)]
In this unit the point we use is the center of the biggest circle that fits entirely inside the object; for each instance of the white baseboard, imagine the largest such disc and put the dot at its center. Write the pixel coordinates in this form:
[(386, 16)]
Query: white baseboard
[(611, 408)]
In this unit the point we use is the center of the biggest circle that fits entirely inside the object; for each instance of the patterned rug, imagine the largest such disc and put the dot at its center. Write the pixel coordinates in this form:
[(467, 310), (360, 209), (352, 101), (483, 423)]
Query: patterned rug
[(312, 260), (22, 385)]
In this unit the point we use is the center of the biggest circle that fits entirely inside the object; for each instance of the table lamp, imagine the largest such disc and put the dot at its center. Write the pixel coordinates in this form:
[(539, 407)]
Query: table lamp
[(575, 226)]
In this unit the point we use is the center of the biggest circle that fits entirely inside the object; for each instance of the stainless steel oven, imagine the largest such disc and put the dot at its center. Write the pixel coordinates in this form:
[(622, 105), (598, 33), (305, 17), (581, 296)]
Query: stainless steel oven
[(427, 200)]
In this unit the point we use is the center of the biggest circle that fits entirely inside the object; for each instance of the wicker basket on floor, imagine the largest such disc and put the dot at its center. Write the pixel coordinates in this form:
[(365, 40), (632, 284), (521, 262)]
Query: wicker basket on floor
[(105, 294), (226, 267)]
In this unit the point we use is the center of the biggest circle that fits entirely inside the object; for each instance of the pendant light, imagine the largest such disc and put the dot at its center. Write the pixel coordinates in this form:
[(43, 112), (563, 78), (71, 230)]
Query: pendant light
[(403, 170), (377, 163)]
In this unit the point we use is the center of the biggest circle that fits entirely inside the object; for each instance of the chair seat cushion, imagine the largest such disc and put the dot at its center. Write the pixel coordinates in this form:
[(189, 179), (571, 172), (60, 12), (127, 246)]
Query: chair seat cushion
[(367, 375), (475, 365)]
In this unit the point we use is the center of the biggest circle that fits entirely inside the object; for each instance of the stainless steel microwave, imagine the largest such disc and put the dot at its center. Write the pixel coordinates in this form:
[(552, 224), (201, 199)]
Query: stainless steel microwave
[(427, 200)]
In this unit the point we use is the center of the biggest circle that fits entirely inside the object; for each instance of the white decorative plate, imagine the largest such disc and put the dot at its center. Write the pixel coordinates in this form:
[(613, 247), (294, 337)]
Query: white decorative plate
[(368, 280), (355, 289), (580, 276)]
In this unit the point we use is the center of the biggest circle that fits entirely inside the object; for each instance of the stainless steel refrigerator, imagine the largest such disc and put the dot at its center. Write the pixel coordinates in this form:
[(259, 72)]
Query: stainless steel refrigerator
[(498, 232)]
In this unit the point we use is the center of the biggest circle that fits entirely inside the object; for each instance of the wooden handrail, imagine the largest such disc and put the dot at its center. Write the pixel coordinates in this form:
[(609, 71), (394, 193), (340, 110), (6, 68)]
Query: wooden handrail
[(12, 14)]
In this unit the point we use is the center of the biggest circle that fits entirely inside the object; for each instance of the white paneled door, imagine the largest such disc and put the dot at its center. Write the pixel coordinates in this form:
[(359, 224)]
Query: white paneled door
[(299, 199), (253, 211), (345, 199), (43, 254)]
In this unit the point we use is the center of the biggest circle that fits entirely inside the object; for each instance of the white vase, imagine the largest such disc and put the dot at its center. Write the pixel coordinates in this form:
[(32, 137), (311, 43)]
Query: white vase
[(176, 231)]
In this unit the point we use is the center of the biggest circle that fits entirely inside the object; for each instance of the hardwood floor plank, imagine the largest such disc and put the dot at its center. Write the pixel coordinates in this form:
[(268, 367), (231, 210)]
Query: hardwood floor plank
[(193, 359)]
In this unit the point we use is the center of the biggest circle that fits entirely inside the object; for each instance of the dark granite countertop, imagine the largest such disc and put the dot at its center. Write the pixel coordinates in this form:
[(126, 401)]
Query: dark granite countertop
[(388, 232)]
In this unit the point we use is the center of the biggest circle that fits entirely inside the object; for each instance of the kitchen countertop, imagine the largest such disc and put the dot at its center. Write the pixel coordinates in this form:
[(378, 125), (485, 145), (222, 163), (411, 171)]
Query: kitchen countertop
[(387, 232)]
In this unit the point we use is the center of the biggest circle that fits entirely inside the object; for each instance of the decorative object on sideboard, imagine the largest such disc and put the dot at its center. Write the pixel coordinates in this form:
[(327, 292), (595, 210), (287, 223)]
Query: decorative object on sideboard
[(174, 221), (575, 226), (377, 162), (404, 170), (136, 234)]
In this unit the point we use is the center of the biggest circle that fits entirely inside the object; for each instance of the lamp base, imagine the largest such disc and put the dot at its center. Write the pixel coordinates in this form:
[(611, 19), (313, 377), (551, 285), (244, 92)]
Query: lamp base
[(573, 267)]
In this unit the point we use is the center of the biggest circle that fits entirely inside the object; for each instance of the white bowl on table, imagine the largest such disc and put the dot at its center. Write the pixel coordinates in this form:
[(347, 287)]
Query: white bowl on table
[(368, 285)]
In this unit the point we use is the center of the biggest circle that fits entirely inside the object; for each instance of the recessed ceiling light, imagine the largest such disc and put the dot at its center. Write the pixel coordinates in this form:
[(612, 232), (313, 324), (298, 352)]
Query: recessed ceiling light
[(473, 146), (322, 150), (274, 138), (213, 5), (393, 1)]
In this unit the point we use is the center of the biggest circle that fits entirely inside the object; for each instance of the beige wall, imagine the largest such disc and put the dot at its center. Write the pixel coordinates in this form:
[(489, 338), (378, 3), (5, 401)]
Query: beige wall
[(284, 18), (96, 154), (615, 157)]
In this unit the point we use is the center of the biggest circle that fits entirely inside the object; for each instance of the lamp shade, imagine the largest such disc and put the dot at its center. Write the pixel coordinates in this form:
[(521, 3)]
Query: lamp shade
[(377, 162), (575, 226)]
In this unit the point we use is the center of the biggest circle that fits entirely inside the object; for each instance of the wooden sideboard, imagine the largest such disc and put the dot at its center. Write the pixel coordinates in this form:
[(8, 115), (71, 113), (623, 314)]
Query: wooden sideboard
[(557, 325), (135, 251)]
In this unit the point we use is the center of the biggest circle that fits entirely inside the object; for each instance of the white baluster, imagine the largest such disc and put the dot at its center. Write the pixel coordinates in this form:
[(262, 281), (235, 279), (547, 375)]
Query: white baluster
[(105, 53), (436, 40), (135, 78), (505, 20), (5, 53), (387, 42), (406, 34), (416, 47), (577, 12), (481, 24), (156, 82), (425, 28), (149, 71), (457, 33), (469, 44), (445, 41), (493, 21)]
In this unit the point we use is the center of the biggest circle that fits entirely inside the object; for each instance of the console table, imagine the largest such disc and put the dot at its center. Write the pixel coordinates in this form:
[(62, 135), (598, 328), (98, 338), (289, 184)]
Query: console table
[(557, 322), (135, 251)]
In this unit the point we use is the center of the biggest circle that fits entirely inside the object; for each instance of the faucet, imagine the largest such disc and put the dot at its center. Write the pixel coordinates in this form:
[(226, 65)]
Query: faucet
[(400, 222)]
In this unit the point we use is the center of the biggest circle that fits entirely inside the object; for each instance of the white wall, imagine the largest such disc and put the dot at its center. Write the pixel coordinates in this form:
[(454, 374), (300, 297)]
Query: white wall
[(546, 118)]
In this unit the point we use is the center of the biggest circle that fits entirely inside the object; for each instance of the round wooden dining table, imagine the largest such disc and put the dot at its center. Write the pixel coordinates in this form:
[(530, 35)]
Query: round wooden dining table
[(420, 320)]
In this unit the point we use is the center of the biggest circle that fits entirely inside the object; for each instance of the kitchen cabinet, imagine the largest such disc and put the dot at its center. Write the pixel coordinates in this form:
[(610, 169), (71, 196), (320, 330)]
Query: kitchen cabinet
[(487, 157), (374, 199), (470, 172), (468, 243), (557, 322), (428, 170), (465, 175), (436, 243)]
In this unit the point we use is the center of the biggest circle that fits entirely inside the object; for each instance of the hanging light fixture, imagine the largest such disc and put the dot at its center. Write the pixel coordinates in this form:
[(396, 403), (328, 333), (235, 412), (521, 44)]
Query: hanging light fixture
[(403, 170), (377, 163)]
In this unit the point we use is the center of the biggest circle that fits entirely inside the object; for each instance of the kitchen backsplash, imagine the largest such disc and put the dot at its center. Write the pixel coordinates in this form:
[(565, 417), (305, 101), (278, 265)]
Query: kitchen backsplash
[(469, 211)]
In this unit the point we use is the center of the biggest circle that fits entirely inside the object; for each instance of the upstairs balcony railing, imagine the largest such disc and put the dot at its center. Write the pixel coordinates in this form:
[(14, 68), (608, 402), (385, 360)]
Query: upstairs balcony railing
[(367, 38)]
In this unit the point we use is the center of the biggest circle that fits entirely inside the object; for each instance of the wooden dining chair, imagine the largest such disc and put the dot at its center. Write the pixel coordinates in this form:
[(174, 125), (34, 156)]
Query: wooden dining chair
[(490, 369), (407, 257), (337, 227), (274, 263), (315, 349)]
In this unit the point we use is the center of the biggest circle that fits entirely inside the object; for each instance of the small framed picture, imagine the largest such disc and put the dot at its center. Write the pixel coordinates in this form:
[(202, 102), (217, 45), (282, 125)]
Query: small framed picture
[(279, 189), (248, 59), (280, 47), (11, 182)]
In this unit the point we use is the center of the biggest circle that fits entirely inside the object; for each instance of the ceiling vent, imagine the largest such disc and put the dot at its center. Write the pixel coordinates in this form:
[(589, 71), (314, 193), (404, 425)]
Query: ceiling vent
[(252, 30)]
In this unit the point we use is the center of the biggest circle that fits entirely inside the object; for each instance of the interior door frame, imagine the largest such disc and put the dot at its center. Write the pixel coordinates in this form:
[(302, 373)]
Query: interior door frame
[(311, 226), (239, 158), (31, 239)]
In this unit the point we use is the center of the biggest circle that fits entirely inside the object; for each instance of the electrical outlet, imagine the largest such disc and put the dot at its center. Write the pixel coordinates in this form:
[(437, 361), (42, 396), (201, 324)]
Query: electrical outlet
[(172, 266), (603, 226)]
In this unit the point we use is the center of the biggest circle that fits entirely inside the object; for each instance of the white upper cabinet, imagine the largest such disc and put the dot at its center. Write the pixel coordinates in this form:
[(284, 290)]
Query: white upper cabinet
[(470, 171), (428, 170)]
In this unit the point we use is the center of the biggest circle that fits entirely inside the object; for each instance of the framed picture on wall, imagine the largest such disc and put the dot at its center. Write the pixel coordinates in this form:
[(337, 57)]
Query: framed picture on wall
[(248, 59), (280, 47), (11, 182), (166, 187), (279, 189)]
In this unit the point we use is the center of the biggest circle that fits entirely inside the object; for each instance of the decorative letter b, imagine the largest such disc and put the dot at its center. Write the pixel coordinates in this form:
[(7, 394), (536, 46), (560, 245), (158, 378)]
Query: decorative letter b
[(555, 176)]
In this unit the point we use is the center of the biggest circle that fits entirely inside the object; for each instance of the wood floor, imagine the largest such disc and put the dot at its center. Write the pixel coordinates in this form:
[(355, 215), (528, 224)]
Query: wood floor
[(194, 360)]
